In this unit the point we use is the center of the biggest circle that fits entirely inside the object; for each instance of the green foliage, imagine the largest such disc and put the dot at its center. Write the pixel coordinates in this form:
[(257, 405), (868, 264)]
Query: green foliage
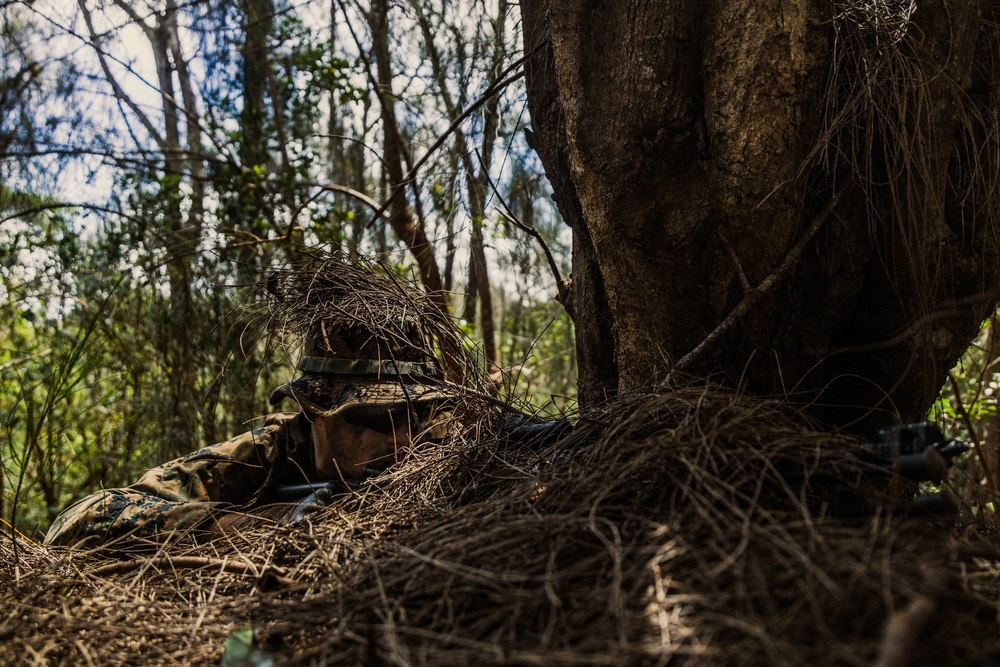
[(967, 409), (84, 373), (969, 399), (35, 425), (244, 648), (60, 379), (538, 345)]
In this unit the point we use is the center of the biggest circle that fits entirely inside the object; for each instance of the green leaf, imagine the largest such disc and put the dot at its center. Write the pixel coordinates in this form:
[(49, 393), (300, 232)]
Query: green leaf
[(241, 652)]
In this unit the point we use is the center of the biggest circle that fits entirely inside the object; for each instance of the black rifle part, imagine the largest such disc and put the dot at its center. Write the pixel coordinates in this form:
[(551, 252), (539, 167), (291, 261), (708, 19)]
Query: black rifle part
[(516, 429), (293, 493), (314, 496), (520, 429), (913, 452)]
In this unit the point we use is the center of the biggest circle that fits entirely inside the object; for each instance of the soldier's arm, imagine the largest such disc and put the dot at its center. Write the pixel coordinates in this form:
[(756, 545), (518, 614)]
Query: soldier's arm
[(177, 496), (113, 514)]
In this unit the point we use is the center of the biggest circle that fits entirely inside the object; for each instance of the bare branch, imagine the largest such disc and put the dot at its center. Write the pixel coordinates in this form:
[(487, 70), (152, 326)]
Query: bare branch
[(753, 296), (119, 92), (350, 192)]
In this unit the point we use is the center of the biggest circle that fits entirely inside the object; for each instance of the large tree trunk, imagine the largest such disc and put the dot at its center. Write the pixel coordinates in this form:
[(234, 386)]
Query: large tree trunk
[(817, 183)]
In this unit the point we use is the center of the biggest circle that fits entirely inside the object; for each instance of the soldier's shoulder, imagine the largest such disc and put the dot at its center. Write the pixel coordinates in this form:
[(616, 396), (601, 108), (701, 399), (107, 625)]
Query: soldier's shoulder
[(265, 431), (278, 419)]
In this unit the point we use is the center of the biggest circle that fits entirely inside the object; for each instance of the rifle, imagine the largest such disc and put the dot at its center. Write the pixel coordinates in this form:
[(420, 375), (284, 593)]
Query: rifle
[(516, 429), (917, 452)]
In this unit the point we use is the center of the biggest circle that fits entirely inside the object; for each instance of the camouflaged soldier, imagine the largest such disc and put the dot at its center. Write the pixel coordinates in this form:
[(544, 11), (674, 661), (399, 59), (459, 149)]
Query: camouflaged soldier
[(363, 400)]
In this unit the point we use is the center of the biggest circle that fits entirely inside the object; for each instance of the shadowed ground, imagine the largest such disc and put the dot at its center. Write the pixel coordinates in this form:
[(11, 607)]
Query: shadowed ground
[(658, 531)]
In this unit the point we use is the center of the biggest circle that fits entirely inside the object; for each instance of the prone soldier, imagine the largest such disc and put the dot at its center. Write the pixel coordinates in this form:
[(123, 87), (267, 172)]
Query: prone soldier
[(363, 399)]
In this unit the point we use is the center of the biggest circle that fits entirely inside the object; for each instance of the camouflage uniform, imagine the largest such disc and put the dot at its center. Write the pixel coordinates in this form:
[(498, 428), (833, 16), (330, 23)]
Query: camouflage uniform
[(238, 474), (350, 372), (186, 493)]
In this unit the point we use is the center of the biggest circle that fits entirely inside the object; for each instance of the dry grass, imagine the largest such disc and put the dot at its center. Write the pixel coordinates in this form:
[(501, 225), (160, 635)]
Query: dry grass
[(657, 532), (321, 291)]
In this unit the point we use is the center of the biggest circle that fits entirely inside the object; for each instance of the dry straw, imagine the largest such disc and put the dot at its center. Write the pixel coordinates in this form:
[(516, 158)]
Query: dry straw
[(323, 292), (658, 532)]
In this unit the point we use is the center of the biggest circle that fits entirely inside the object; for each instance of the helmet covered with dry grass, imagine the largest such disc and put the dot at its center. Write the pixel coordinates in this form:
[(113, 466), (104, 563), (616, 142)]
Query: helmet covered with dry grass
[(346, 367), (368, 337)]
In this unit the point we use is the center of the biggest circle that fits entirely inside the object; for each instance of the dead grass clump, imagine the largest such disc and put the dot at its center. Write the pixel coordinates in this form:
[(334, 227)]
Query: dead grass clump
[(323, 292), (654, 533), (657, 532), (18, 555)]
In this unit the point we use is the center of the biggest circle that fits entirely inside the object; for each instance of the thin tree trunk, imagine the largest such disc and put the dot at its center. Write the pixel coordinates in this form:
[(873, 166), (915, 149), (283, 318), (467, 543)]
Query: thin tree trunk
[(192, 123), (3, 494), (181, 246), (476, 167), (400, 214), (253, 208)]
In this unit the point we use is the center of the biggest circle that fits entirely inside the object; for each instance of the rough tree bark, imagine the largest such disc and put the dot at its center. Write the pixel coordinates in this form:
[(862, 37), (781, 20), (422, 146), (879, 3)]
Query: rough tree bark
[(832, 172)]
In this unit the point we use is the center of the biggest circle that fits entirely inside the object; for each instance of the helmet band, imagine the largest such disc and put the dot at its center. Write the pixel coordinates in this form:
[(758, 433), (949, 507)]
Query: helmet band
[(327, 365)]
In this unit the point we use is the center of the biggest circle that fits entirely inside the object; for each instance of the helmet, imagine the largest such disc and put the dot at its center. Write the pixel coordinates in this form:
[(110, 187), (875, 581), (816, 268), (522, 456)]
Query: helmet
[(344, 367)]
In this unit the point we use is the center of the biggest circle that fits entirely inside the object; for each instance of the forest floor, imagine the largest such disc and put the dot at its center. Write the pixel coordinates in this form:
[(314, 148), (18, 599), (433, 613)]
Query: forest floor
[(665, 528)]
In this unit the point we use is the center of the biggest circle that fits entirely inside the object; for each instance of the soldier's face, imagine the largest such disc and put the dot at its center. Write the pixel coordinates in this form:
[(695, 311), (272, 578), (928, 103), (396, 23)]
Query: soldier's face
[(361, 443)]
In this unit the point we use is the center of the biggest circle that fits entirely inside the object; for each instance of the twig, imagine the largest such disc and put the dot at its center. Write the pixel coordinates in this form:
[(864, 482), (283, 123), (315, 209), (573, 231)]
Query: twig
[(563, 295), (754, 295), (504, 79), (736, 263), (116, 88), (194, 563), (351, 192), (490, 92), (562, 286), (501, 82), (23, 360), (954, 306)]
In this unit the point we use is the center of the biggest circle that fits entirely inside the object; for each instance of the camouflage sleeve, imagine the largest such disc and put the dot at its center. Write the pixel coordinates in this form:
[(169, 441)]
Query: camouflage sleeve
[(178, 495)]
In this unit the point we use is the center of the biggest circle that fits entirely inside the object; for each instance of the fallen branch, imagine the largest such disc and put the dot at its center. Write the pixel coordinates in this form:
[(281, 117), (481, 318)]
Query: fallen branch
[(902, 633)]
